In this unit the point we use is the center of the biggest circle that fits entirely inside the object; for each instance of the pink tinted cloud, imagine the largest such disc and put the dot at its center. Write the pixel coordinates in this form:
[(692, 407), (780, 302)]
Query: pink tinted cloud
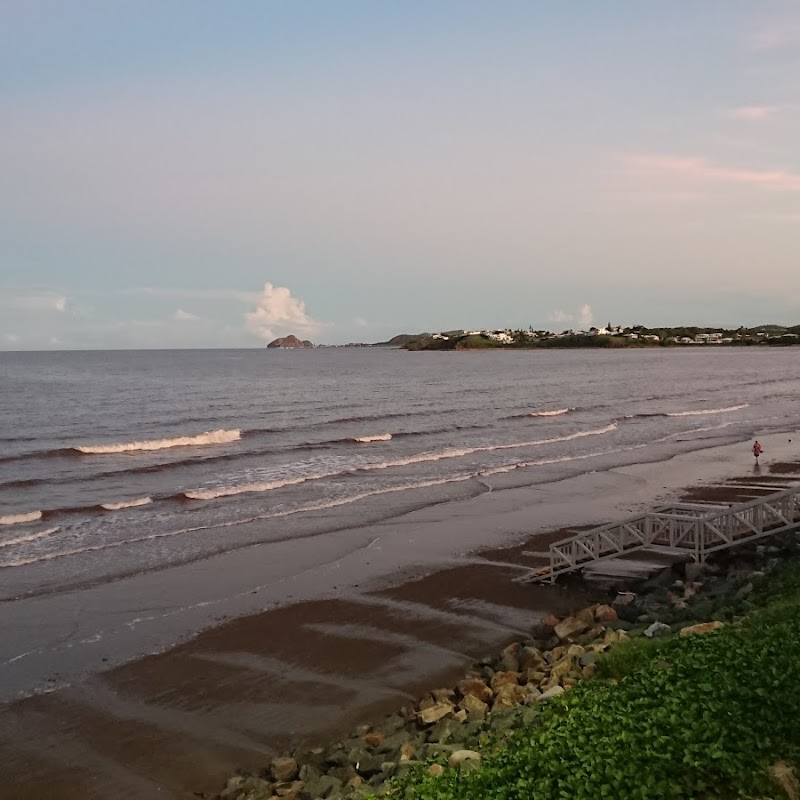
[(752, 113), (699, 169)]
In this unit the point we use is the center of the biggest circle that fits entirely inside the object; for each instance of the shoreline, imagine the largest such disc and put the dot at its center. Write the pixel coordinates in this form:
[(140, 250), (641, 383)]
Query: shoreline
[(180, 722)]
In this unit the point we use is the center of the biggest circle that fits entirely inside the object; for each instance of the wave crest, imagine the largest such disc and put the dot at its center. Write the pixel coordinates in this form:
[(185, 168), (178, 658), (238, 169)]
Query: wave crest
[(209, 437), (15, 519), (555, 412), (703, 412), (378, 437), (139, 501), (31, 537)]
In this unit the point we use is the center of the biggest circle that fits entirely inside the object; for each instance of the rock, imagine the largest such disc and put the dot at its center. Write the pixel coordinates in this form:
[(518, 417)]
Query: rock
[(532, 691), (554, 692), (472, 705), (656, 630), (703, 627), (366, 764), (407, 751), (534, 676), (605, 613), (434, 713), (283, 769), (624, 599), (571, 626), (549, 621), (588, 672), (435, 770), (323, 787), (784, 776), (587, 659), (288, 790), (373, 738), (289, 341), (309, 773), (442, 731), (476, 688), (509, 696), (500, 679), (562, 669), (442, 695), (529, 658), (508, 662), (464, 760), (744, 591), (586, 614)]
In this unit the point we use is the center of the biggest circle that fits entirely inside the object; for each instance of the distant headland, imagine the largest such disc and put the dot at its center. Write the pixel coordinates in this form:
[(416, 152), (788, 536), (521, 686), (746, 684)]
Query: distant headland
[(290, 341), (610, 336)]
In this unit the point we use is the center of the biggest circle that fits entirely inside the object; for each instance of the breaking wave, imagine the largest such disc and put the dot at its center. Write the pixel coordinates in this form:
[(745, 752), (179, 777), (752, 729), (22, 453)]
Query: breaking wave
[(420, 458), (209, 437), (556, 412), (703, 412), (31, 537), (378, 437), (139, 501), (15, 519)]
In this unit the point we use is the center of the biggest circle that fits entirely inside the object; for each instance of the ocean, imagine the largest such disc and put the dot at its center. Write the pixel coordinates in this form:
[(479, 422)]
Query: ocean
[(118, 463)]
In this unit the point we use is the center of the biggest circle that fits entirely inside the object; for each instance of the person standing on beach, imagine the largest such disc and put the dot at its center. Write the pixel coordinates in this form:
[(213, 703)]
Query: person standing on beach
[(757, 450)]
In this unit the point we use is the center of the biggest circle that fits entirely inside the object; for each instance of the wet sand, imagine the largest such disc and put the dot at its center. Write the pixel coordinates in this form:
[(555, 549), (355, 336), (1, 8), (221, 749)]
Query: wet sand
[(359, 641)]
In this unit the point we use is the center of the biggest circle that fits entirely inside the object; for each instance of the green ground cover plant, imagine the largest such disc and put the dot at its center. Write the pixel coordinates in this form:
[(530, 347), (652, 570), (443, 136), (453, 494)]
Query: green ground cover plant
[(700, 717)]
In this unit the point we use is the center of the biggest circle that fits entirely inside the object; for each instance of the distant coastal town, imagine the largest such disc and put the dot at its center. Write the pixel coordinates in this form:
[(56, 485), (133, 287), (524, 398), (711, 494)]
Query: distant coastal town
[(613, 336)]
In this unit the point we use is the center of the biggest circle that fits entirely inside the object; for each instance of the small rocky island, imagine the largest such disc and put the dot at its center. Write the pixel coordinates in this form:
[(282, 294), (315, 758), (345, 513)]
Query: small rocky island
[(290, 341)]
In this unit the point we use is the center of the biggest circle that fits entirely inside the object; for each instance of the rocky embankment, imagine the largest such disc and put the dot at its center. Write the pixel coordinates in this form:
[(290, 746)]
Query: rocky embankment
[(449, 727)]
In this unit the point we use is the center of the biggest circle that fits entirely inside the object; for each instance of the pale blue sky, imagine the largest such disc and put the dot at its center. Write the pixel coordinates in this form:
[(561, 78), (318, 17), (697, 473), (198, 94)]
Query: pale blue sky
[(199, 174)]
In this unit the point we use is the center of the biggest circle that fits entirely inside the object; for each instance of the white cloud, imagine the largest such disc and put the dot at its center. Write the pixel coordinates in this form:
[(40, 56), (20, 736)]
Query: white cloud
[(12, 338), (45, 301), (586, 317), (278, 313), (184, 316), (360, 322), (560, 316)]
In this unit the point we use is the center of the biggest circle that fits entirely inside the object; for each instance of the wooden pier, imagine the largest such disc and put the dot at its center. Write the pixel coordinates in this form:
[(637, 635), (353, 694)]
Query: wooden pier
[(684, 529)]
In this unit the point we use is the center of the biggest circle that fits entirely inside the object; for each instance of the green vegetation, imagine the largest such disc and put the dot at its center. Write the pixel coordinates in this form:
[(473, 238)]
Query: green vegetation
[(699, 717)]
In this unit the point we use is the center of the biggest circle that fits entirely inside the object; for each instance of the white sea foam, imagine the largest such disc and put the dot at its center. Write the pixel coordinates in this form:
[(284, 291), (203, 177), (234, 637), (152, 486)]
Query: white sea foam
[(15, 519), (555, 412), (229, 491), (139, 501), (703, 412), (209, 437), (419, 458), (31, 537), (378, 437)]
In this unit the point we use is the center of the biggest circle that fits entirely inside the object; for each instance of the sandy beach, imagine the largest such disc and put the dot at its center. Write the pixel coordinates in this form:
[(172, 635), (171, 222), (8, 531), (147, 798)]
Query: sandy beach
[(299, 651)]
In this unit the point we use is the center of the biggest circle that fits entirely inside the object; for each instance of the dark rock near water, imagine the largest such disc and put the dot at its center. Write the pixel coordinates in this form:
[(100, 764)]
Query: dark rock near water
[(290, 341)]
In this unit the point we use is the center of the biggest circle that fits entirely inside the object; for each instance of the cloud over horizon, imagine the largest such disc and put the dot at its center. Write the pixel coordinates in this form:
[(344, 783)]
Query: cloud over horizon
[(278, 313)]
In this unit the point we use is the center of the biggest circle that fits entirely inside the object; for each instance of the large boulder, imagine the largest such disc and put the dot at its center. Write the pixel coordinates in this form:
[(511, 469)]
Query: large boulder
[(571, 626), (435, 712), (475, 687), (703, 627), (283, 769)]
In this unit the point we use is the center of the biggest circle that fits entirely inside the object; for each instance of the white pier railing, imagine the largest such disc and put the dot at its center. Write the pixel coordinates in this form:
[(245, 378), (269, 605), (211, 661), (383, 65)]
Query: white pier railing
[(693, 530)]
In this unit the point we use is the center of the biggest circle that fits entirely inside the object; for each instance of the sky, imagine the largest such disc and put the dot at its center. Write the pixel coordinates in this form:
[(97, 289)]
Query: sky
[(189, 173)]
